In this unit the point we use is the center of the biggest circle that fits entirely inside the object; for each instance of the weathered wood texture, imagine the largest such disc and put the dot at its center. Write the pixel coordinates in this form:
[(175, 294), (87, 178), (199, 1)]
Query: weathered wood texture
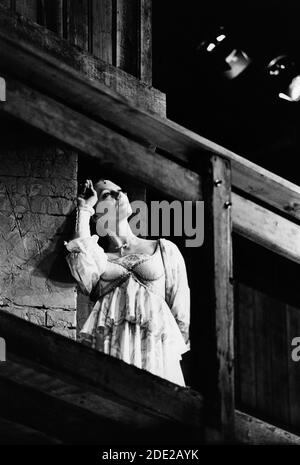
[(145, 72), (32, 36), (266, 228), (251, 430), (95, 100), (267, 309), (127, 35), (101, 386), (103, 34), (217, 307), (76, 18), (116, 31), (93, 138), (36, 199)]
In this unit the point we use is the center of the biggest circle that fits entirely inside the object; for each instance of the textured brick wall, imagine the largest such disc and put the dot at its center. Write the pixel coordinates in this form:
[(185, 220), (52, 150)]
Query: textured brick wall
[(37, 190)]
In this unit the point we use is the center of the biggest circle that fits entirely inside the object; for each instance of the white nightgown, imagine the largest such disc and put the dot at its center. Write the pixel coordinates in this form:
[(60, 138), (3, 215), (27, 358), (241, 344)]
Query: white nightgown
[(141, 315)]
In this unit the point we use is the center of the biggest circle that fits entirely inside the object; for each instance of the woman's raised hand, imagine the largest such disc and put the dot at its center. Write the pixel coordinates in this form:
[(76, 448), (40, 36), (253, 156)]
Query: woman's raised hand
[(89, 196)]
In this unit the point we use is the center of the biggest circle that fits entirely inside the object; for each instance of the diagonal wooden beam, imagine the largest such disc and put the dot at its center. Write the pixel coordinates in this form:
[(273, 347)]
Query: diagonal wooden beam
[(96, 140)]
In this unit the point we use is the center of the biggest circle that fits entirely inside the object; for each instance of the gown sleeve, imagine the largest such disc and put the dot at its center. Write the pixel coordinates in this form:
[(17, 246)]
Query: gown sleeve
[(177, 288), (87, 261)]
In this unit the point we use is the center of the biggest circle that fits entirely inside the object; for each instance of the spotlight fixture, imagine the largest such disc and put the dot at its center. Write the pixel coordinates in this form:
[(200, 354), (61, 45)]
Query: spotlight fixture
[(285, 74), (219, 50)]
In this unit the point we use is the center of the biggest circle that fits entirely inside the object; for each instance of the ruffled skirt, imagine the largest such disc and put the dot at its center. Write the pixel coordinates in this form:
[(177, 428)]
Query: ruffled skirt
[(137, 326)]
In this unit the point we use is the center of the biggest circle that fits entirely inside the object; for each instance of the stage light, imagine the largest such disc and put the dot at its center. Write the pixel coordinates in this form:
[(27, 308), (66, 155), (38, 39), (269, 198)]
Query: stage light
[(285, 75), (219, 49)]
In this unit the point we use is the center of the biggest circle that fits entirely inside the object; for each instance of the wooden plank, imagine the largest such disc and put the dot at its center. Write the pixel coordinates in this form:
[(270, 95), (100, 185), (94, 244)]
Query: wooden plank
[(50, 15), (218, 305), (51, 416), (263, 354), (293, 330), (251, 430), (127, 36), (76, 18), (94, 99), (27, 8), (266, 228), (280, 411), (146, 41), (92, 138), (39, 44), (102, 35), (245, 334), (120, 381)]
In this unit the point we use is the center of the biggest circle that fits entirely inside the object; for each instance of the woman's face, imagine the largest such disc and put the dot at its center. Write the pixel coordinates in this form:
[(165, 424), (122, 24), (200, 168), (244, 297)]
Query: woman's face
[(112, 202)]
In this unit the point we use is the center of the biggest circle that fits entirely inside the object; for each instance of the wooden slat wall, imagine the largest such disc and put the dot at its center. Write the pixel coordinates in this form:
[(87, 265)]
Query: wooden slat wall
[(116, 31), (146, 41), (293, 330), (127, 36), (103, 30), (267, 311), (76, 23)]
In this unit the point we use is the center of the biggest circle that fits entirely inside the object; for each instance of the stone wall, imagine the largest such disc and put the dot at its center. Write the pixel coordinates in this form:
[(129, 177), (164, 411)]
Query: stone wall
[(38, 185)]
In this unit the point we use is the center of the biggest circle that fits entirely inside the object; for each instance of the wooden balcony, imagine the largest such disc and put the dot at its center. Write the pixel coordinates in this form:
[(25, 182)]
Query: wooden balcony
[(91, 394)]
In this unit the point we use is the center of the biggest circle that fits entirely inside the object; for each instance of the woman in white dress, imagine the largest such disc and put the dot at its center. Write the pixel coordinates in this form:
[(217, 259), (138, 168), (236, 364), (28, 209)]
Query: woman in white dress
[(140, 287)]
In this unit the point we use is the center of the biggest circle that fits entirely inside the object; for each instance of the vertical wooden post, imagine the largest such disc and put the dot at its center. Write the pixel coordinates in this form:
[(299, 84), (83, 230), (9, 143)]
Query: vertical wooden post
[(218, 309)]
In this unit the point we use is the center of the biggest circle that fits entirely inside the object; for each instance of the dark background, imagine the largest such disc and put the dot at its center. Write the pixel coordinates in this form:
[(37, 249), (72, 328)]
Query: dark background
[(243, 114)]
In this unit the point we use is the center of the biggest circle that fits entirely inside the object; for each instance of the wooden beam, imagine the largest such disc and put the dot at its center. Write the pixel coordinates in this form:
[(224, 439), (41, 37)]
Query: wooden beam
[(251, 430), (145, 72), (93, 374), (218, 305), (40, 67), (266, 228), (96, 140), (24, 35)]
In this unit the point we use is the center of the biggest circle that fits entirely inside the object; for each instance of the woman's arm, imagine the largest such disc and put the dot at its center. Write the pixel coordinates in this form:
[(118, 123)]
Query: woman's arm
[(85, 203), (86, 259)]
